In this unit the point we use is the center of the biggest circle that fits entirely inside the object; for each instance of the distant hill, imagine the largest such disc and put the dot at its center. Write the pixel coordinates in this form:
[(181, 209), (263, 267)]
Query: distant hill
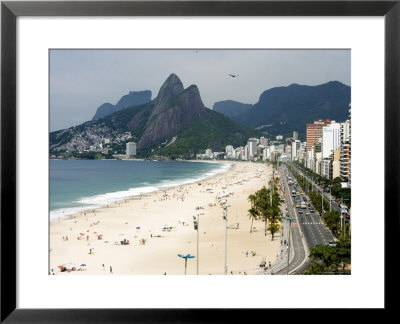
[(133, 98), (285, 109), (175, 124), (231, 108)]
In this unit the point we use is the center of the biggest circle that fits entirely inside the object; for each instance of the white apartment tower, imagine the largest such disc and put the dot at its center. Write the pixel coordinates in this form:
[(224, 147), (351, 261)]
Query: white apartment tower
[(130, 150), (330, 139)]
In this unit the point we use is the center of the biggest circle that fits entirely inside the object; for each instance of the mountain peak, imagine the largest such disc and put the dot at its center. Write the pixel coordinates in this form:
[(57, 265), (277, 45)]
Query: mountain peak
[(134, 98), (171, 87)]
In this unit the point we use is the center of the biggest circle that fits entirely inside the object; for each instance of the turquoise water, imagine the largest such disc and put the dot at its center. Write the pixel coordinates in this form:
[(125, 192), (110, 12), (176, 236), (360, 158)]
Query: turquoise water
[(77, 185)]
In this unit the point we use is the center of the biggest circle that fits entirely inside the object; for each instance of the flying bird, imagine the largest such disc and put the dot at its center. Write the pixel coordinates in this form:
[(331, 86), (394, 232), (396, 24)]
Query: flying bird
[(233, 75)]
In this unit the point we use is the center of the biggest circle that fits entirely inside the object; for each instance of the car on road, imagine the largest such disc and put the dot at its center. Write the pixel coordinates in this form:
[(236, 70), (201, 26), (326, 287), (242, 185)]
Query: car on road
[(297, 206), (300, 211), (331, 243), (312, 210), (307, 213)]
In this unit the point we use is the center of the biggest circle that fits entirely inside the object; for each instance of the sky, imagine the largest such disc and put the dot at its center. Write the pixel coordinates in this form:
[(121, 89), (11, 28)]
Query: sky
[(82, 80)]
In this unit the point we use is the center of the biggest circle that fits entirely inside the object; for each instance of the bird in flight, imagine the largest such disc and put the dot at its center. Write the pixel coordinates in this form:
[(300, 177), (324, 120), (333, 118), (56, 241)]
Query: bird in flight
[(233, 75)]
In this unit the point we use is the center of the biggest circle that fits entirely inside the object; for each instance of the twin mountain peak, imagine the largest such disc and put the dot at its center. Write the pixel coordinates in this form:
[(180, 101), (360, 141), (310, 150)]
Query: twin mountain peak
[(176, 122)]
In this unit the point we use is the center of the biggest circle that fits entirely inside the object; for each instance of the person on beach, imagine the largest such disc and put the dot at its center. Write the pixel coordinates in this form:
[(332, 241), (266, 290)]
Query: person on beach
[(110, 269), (104, 268)]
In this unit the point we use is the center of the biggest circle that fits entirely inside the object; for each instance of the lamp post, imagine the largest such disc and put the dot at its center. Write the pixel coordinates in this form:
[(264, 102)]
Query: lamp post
[(322, 201), (330, 197), (225, 217), (187, 256), (289, 245), (196, 222)]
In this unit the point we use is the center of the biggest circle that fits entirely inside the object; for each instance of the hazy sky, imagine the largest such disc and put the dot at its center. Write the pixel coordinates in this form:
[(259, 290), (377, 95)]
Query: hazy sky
[(82, 80)]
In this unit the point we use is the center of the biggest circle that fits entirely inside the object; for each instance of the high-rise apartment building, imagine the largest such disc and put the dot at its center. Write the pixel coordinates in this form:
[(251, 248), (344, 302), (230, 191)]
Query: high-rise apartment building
[(295, 148), (252, 145), (130, 150), (330, 139), (314, 132), (345, 149), (264, 141)]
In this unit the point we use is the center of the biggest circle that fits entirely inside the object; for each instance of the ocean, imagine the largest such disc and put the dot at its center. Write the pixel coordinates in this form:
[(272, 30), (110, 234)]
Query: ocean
[(77, 185)]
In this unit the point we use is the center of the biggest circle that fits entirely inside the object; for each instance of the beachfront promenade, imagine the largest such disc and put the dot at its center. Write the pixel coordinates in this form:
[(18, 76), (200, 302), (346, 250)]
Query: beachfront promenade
[(297, 244)]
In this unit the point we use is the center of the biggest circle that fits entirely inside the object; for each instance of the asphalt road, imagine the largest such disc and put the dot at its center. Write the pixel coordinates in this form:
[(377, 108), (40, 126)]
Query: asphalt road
[(315, 187), (298, 254), (315, 231), (309, 228)]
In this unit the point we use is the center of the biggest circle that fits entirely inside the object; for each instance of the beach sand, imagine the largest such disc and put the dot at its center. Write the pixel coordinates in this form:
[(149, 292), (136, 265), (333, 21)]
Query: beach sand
[(151, 212)]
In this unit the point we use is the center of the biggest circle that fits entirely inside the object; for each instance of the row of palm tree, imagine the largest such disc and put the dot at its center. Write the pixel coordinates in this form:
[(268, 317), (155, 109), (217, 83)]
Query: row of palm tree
[(265, 205)]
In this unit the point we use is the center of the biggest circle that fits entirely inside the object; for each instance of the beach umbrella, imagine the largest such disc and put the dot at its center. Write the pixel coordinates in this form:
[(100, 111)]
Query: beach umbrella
[(138, 227), (83, 265)]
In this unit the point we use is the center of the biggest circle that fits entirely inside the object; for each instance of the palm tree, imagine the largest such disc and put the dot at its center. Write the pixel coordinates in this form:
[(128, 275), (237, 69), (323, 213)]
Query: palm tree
[(252, 199), (253, 214)]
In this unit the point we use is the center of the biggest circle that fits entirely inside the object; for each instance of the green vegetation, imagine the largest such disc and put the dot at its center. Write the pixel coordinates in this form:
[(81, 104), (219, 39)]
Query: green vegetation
[(253, 212), (213, 130), (337, 191), (290, 108), (84, 156), (331, 218), (331, 259), (266, 207)]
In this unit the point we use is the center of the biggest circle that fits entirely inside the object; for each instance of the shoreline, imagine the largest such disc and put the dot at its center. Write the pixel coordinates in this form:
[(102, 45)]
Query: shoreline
[(144, 218), (77, 210)]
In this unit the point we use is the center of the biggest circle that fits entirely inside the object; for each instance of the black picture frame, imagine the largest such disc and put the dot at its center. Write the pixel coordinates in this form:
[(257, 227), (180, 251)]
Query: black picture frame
[(10, 10)]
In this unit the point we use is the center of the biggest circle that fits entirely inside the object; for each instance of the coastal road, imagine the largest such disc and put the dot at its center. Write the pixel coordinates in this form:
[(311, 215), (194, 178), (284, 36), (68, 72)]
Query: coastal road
[(298, 252), (311, 226), (327, 196), (315, 231)]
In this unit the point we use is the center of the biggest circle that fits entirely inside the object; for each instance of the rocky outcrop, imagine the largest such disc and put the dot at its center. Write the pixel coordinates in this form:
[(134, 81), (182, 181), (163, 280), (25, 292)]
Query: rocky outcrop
[(173, 109)]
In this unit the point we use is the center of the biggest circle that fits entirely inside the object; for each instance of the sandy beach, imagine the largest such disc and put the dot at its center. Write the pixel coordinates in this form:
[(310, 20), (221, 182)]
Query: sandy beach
[(159, 225)]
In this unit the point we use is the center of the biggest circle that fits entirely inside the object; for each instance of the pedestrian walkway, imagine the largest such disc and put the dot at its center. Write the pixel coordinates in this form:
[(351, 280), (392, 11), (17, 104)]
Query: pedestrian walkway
[(281, 260), (297, 252)]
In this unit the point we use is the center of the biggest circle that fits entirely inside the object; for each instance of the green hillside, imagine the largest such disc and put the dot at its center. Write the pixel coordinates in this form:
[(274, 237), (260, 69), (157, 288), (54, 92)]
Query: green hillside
[(214, 131)]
